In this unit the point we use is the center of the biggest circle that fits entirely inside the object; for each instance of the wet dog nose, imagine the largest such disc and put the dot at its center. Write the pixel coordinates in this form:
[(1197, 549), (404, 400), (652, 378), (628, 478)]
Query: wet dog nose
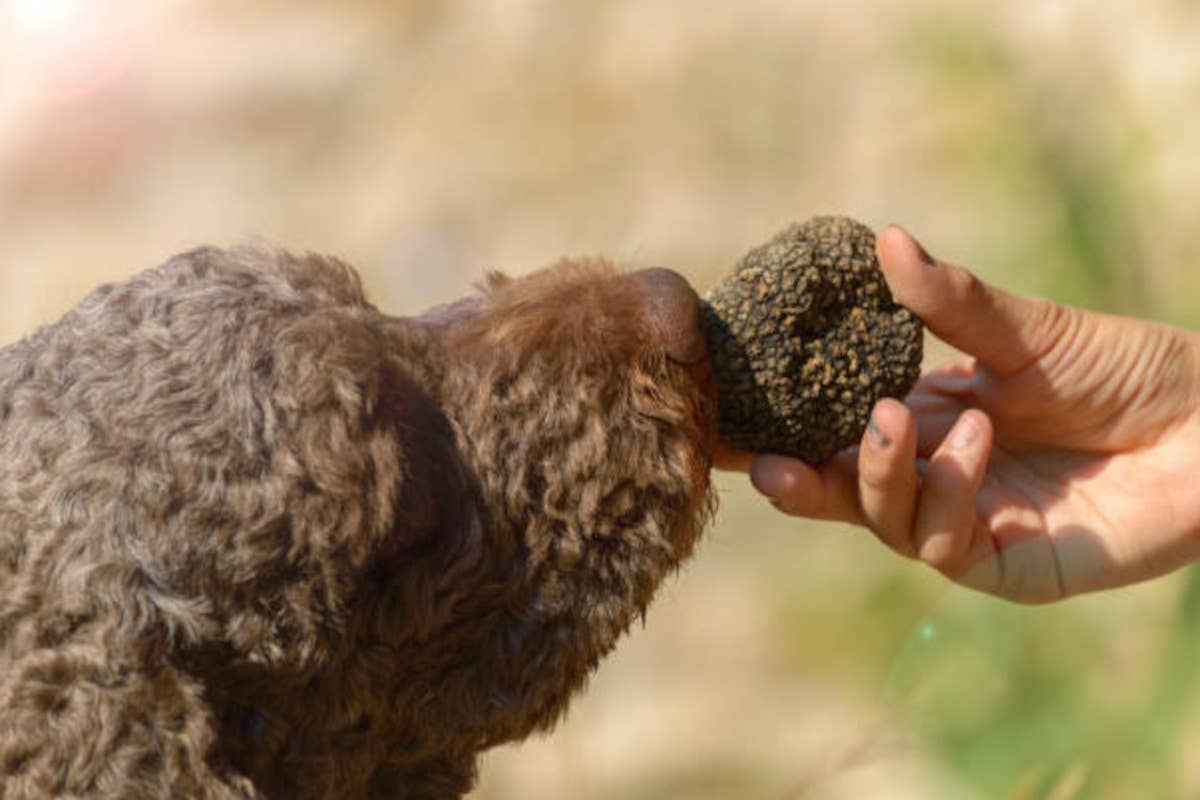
[(670, 314)]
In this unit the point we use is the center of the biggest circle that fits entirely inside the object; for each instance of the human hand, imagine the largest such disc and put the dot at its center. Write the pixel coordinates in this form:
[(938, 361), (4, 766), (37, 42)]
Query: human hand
[(1058, 457)]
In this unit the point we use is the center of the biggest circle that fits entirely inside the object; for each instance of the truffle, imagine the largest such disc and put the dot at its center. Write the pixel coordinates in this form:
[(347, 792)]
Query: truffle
[(804, 337)]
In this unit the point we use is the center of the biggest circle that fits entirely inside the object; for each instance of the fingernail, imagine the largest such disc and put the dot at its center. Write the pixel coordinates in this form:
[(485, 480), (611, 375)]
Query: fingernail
[(876, 436), (965, 432)]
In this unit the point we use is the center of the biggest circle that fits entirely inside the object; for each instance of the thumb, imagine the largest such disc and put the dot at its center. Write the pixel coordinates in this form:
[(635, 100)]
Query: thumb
[(1003, 332)]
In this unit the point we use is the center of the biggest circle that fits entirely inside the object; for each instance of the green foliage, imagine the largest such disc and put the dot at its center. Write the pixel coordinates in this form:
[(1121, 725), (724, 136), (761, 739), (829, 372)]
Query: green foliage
[(1037, 702)]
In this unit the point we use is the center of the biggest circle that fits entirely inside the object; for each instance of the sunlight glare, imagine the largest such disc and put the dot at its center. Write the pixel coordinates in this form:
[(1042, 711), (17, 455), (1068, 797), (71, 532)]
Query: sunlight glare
[(44, 16)]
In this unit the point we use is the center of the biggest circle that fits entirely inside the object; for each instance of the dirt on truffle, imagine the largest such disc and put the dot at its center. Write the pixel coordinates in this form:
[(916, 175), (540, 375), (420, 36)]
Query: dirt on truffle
[(804, 338)]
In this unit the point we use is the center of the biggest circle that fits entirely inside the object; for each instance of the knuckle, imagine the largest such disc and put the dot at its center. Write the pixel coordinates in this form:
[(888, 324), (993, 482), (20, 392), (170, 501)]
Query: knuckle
[(957, 306), (1048, 321), (1053, 333), (944, 551), (900, 541), (968, 288), (875, 478), (937, 557)]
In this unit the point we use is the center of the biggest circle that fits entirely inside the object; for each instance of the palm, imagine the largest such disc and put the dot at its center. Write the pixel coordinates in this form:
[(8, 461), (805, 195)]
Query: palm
[(1071, 501)]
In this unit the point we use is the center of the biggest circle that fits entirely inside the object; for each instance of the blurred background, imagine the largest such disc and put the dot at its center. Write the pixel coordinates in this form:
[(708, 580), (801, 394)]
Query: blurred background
[(1052, 145)]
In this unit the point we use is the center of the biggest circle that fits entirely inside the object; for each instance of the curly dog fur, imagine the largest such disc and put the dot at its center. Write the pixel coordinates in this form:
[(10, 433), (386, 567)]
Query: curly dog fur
[(260, 540)]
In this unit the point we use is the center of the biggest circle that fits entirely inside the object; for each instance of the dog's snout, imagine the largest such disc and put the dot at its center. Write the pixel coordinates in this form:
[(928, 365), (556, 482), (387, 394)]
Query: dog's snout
[(670, 314)]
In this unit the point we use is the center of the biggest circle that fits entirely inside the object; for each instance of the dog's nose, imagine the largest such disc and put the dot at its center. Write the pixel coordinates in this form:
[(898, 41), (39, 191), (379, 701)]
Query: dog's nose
[(670, 314)]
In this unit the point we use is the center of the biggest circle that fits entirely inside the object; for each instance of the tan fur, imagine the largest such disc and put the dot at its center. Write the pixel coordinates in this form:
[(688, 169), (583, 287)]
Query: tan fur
[(258, 539)]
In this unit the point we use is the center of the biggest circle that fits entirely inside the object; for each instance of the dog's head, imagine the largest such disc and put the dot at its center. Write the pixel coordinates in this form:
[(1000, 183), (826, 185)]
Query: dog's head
[(584, 411), (584, 405), (396, 541)]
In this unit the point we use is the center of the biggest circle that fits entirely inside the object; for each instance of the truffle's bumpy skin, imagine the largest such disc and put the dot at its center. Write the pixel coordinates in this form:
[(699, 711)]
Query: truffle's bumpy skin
[(804, 338)]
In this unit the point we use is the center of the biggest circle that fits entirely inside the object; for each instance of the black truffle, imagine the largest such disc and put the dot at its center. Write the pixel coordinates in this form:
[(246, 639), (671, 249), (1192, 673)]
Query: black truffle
[(804, 338)]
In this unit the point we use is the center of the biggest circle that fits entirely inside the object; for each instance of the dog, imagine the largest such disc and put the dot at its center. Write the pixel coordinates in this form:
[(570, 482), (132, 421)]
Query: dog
[(259, 539)]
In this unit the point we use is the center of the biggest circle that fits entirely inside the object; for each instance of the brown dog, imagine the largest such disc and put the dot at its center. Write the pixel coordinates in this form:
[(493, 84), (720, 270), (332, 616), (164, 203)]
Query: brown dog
[(258, 539)]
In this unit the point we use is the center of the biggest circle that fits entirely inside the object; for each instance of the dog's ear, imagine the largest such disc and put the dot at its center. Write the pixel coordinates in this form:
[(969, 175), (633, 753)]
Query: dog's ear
[(364, 431), (439, 544)]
